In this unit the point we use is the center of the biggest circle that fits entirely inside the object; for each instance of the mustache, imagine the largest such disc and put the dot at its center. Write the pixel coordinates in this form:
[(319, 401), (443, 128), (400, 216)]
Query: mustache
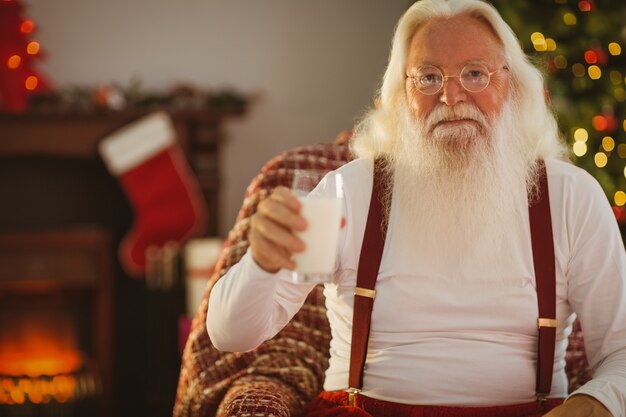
[(461, 111)]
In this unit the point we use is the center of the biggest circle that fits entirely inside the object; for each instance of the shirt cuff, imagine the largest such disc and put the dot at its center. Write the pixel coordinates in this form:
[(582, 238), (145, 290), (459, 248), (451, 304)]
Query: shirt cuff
[(254, 270), (601, 391)]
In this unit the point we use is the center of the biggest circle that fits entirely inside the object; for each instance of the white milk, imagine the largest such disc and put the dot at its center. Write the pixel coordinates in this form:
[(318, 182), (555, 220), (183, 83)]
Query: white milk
[(323, 215)]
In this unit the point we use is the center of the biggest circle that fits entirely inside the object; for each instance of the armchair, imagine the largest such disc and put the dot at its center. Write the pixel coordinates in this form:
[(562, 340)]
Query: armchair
[(281, 376)]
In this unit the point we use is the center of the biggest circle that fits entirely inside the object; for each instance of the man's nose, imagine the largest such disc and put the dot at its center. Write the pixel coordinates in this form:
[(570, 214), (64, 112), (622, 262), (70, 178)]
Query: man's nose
[(452, 92)]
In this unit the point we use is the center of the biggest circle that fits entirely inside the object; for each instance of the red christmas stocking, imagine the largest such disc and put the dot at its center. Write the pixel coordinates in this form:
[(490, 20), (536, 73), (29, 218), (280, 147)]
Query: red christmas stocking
[(165, 196)]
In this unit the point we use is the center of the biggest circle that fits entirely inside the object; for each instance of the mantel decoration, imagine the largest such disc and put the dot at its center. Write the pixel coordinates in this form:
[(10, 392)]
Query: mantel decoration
[(117, 98)]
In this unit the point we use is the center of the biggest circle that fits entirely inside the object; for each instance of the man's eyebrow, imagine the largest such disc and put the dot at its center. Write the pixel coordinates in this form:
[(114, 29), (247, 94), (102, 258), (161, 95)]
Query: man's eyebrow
[(475, 61), (460, 66)]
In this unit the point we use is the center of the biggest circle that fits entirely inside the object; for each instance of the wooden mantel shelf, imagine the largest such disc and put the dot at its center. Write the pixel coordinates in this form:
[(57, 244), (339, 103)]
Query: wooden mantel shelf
[(77, 135)]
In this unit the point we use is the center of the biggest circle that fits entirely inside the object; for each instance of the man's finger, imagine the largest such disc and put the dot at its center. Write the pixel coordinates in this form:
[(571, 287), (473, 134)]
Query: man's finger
[(285, 196), (268, 255), (282, 214), (279, 235)]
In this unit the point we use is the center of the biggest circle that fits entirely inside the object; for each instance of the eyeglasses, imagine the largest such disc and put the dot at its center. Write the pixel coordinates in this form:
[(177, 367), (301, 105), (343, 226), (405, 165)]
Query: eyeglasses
[(474, 78)]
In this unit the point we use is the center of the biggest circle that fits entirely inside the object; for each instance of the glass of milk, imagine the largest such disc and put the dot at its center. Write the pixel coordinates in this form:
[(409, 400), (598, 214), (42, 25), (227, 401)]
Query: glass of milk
[(323, 213)]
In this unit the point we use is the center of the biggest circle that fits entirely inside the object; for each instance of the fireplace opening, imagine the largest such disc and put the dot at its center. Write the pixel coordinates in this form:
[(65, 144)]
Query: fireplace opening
[(55, 331), (38, 342)]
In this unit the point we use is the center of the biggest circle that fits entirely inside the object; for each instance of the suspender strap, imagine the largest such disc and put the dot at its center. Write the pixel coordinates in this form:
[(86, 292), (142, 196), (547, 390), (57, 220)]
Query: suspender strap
[(545, 276), (369, 265)]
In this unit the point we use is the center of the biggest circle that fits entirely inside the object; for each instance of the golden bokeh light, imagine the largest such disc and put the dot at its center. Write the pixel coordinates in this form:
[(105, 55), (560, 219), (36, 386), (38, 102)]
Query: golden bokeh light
[(615, 48), (581, 135), (537, 36), (620, 198), (579, 148), (32, 48), (608, 143), (569, 19), (600, 159), (594, 72), (539, 41)]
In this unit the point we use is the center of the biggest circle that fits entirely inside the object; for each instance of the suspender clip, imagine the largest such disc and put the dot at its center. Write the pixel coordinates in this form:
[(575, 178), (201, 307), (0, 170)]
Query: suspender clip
[(546, 322), (364, 292), (352, 393)]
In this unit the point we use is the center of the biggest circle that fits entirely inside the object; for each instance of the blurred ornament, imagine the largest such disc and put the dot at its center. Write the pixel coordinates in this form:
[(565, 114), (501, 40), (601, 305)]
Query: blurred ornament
[(110, 97)]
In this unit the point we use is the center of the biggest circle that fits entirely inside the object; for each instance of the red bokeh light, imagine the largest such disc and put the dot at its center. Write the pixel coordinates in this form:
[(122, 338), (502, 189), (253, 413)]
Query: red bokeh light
[(600, 123), (591, 57), (27, 26), (584, 6)]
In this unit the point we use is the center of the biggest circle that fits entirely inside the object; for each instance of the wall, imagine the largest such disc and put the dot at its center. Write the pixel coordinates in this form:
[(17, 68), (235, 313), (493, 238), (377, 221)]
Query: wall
[(313, 65)]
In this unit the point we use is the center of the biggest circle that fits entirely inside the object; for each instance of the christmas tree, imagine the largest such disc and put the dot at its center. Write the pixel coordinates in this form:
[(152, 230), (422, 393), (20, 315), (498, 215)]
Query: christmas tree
[(579, 45), (18, 78)]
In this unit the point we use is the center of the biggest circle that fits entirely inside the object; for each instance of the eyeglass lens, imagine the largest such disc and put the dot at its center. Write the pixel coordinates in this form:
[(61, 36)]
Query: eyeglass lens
[(474, 78)]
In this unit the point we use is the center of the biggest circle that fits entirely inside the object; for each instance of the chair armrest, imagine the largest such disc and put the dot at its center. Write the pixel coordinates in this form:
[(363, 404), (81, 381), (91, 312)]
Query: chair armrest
[(257, 395)]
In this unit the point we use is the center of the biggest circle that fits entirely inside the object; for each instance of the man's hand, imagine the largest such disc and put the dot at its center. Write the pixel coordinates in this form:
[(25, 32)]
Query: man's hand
[(580, 405), (272, 238)]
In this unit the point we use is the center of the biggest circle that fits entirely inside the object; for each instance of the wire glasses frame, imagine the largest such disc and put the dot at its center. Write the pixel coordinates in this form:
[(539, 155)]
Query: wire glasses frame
[(429, 79)]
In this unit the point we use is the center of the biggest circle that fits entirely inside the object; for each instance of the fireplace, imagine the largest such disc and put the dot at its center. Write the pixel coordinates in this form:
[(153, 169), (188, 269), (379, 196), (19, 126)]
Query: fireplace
[(55, 327), (62, 217)]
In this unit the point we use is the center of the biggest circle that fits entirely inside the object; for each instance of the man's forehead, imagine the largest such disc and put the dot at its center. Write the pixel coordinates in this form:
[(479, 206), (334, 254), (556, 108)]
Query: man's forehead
[(459, 39)]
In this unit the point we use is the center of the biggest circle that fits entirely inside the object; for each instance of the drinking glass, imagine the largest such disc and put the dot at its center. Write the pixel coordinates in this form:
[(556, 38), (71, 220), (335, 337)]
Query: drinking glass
[(323, 214)]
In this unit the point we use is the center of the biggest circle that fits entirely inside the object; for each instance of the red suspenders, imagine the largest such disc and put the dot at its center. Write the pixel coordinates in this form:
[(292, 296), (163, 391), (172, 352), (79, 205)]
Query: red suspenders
[(369, 265), (364, 293), (545, 277)]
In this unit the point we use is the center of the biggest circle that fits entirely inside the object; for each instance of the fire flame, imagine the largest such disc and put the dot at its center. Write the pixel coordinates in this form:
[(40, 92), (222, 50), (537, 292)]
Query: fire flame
[(37, 363), (61, 388), (39, 359)]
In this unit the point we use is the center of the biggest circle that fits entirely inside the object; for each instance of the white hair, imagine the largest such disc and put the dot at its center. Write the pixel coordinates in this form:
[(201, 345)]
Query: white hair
[(376, 133)]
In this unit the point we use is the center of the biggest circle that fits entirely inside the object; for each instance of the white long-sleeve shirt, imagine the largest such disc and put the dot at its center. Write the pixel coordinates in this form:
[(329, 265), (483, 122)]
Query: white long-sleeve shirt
[(439, 340)]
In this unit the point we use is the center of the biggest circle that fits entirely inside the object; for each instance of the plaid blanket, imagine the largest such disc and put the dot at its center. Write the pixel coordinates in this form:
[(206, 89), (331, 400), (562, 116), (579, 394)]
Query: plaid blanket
[(284, 374)]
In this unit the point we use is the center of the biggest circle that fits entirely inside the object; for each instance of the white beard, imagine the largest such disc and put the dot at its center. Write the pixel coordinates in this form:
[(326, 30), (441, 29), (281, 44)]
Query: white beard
[(460, 188)]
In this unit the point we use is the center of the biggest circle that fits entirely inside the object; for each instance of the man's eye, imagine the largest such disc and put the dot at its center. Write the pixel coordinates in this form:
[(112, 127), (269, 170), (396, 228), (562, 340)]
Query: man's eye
[(429, 79), (475, 75)]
